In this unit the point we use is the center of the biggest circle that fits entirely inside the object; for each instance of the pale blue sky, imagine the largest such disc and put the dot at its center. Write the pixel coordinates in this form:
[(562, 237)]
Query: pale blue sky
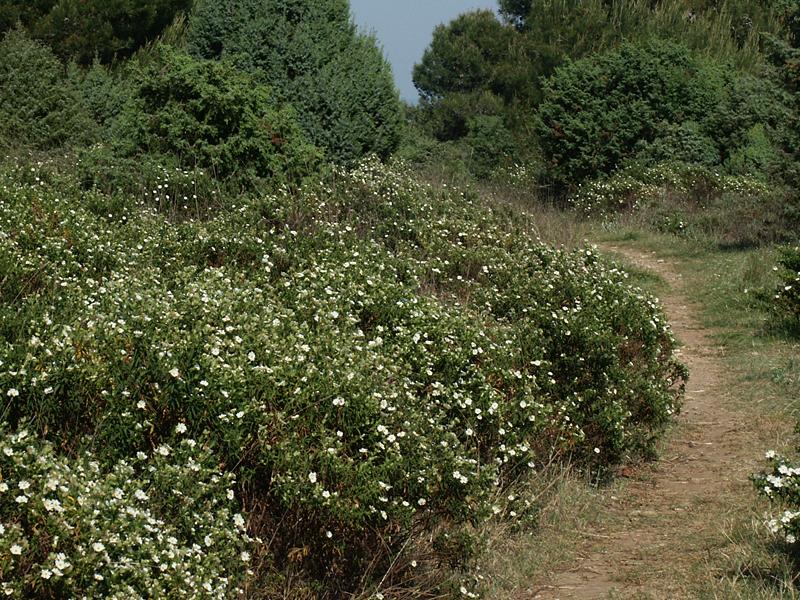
[(404, 29)]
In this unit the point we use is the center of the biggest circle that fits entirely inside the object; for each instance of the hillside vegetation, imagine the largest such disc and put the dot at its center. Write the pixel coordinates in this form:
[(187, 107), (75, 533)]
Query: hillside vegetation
[(256, 342)]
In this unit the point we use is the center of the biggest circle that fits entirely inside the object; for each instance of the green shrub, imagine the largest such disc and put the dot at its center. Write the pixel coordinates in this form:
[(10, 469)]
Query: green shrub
[(604, 110), (310, 54), (84, 30), (683, 143), (490, 144), (787, 296), (208, 114), (161, 524), (38, 104)]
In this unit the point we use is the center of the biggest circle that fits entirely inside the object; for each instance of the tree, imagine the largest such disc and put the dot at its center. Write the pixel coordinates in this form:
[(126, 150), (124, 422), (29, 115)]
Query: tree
[(654, 101), (39, 105), (475, 52), (83, 29), (311, 54), (212, 115)]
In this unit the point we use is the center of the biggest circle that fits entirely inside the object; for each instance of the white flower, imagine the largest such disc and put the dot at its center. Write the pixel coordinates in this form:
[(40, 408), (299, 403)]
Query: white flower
[(238, 520), (251, 356), (21, 499), (98, 547), (46, 574), (312, 477), (16, 549), (175, 372), (24, 485), (140, 495), (12, 393), (52, 505), (245, 556), (163, 450), (180, 428), (141, 404)]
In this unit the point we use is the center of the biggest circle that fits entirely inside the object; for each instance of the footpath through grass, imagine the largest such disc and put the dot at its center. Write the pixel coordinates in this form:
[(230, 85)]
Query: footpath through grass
[(725, 550)]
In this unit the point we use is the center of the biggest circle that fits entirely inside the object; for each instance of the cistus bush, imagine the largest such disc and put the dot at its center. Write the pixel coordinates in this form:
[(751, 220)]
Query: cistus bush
[(375, 359), (787, 296), (208, 114), (781, 484), (601, 111), (311, 55), (157, 525)]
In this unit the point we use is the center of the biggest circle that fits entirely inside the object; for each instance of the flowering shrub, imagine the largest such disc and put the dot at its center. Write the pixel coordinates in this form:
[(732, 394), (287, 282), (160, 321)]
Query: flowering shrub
[(162, 525), (633, 187), (376, 359), (782, 485), (787, 296)]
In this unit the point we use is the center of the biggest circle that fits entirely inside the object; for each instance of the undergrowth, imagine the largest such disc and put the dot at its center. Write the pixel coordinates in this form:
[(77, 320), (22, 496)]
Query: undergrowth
[(376, 360)]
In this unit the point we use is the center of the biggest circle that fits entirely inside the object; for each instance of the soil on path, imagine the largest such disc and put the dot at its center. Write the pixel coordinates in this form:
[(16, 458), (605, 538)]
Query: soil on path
[(665, 523)]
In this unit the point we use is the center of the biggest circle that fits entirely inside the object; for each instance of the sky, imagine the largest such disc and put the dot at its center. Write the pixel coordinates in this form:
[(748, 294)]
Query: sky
[(404, 29)]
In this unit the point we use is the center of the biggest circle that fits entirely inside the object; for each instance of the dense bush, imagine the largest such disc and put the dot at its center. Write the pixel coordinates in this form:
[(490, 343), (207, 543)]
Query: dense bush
[(85, 29), (781, 484), (310, 54), (39, 104), (636, 186), (788, 293), (637, 101), (376, 361), (208, 114), (161, 524), (475, 52)]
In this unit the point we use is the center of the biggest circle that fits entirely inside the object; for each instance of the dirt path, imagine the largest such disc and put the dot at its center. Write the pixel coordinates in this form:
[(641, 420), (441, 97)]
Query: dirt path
[(665, 523)]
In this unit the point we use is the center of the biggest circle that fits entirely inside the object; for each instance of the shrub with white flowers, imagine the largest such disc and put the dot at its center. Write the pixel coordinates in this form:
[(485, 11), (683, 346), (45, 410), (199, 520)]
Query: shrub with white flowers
[(632, 187), (163, 525), (377, 359), (787, 294), (781, 484)]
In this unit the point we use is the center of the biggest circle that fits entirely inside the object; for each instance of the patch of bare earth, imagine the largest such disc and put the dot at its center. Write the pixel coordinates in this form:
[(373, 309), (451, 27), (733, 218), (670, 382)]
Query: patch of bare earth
[(665, 522)]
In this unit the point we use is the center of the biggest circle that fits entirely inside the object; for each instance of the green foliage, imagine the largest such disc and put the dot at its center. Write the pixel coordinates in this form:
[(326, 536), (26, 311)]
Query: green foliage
[(490, 144), (85, 29), (39, 104), (162, 524), (25, 12), (310, 54), (376, 359), (781, 484), (787, 296), (208, 114), (683, 142), (656, 101), (475, 52)]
